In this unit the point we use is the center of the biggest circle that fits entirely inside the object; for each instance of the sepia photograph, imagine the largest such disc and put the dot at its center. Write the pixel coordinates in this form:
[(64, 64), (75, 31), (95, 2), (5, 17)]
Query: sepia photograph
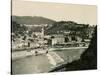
[(51, 37)]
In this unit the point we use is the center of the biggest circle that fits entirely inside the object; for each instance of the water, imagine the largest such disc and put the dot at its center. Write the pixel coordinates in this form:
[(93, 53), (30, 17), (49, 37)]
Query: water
[(41, 64), (70, 55), (32, 64)]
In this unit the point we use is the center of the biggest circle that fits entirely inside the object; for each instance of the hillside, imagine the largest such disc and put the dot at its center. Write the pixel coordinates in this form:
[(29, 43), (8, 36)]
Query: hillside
[(63, 26), (59, 27), (32, 20)]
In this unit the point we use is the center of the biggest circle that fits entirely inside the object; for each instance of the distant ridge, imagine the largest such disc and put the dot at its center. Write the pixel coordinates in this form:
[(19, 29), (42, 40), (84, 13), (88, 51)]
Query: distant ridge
[(32, 20)]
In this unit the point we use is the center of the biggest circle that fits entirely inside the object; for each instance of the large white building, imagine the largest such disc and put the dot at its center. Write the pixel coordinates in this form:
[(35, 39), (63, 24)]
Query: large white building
[(58, 39)]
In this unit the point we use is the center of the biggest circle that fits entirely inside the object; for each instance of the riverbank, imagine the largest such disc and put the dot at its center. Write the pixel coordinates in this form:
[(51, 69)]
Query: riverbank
[(29, 52), (26, 53)]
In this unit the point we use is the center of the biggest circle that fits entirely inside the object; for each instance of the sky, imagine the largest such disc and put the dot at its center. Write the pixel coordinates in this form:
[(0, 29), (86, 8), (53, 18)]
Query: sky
[(86, 14)]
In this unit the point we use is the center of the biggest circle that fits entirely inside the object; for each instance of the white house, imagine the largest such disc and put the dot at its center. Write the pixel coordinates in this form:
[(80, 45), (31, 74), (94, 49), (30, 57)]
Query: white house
[(58, 39)]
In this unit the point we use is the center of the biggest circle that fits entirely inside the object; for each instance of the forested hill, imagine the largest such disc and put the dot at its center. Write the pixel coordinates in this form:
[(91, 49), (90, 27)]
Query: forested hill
[(66, 26), (32, 20)]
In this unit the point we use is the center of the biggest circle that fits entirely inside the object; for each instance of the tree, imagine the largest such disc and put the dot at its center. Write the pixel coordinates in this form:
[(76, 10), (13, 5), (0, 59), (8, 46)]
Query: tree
[(17, 28)]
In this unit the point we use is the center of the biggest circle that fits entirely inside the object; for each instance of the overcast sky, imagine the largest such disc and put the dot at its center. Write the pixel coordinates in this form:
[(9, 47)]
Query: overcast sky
[(86, 14)]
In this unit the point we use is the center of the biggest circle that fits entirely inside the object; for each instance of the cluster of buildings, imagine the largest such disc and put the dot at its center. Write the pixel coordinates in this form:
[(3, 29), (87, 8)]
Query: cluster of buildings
[(37, 39)]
